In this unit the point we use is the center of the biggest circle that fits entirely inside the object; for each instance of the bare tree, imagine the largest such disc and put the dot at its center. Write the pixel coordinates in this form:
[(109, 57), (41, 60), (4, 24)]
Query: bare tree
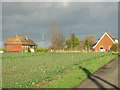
[(57, 37)]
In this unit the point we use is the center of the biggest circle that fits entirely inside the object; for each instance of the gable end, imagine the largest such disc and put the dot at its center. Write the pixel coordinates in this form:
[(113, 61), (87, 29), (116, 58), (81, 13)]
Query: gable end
[(102, 38)]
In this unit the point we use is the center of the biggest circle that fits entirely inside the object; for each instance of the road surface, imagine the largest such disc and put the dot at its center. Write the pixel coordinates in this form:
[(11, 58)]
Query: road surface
[(106, 77)]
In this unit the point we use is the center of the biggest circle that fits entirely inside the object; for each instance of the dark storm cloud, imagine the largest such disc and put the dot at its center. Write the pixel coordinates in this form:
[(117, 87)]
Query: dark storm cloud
[(80, 18)]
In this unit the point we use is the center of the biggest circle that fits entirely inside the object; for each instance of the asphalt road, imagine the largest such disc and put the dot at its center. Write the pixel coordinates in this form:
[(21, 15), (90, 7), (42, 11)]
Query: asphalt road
[(106, 77)]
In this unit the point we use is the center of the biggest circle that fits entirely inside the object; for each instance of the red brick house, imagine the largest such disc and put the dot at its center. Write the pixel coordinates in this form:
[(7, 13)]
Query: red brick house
[(104, 43), (19, 44)]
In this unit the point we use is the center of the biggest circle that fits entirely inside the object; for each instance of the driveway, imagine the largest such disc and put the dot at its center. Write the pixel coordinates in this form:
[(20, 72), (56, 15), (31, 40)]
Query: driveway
[(106, 77)]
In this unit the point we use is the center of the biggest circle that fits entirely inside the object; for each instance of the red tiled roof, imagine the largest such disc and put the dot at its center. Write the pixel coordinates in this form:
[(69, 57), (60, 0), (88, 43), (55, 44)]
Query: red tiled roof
[(31, 42), (111, 36), (20, 40)]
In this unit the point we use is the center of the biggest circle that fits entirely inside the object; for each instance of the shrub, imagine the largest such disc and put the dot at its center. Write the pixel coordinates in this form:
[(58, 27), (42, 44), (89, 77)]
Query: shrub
[(29, 49), (36, 48), (42, 50), (114, 47)]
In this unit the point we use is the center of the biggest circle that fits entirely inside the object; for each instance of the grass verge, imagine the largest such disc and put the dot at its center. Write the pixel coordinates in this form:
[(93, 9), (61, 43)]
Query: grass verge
[(76, 76)]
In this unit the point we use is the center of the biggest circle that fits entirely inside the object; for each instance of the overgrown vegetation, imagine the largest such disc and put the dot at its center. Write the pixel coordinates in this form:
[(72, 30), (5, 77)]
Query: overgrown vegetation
[(43, 50), (23, 70), (115, 48), (72, 42), (87, 45)]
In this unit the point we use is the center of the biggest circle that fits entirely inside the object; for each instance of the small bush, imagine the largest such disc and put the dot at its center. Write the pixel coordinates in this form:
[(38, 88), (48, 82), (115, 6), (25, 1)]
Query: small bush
[(42, 50), (114, 47), (36, 48), (29, 50)]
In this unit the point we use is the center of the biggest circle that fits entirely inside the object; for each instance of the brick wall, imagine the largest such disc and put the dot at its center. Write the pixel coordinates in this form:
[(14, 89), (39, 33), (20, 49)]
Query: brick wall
[(14, 47), (106, 42)]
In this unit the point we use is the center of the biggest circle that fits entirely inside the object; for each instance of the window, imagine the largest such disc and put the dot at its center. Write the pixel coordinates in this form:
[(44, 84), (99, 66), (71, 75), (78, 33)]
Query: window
[(101, 49), (22, 46)]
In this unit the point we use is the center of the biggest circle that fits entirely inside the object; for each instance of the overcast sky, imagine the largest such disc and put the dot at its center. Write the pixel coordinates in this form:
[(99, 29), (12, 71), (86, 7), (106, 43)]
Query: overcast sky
[(83, 19)]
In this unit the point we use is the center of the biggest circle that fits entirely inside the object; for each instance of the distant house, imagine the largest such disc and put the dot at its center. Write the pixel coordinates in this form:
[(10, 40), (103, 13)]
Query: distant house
[(20, 44), (104, 43)]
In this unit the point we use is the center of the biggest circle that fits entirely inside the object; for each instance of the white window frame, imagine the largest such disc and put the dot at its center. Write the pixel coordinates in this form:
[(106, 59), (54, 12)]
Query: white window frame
[(100, 49)]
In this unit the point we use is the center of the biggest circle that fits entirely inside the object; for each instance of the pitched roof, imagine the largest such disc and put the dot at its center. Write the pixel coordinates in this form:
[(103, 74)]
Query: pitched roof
[(12, 41), (109, 35), (31, 42), (20, 40)]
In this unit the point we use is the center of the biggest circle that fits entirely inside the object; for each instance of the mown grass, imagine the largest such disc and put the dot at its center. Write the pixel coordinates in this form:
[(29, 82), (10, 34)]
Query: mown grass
[(23, 70)]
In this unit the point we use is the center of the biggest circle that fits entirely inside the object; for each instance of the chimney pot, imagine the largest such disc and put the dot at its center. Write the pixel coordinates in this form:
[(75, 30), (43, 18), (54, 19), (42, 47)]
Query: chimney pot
[(17, 35), (27, 36)]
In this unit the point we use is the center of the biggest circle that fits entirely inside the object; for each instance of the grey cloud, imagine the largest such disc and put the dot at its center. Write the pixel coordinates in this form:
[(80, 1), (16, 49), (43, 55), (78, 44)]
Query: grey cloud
[(80, 18)]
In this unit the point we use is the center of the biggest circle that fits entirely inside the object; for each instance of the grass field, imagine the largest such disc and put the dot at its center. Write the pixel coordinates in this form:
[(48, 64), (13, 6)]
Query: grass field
[(49, 70)]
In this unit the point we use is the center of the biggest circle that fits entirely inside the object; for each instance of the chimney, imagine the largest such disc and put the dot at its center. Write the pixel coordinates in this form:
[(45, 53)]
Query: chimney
[(27, 36), (106, 30), (17, 35)]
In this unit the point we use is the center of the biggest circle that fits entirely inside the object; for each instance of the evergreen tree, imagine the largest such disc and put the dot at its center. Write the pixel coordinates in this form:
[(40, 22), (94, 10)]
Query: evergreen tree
[(87, 44), (72, 42), (29, 49)]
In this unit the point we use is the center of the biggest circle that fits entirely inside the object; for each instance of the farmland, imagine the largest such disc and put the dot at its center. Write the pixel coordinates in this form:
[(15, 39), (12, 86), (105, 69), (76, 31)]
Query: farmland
[(26, 70)]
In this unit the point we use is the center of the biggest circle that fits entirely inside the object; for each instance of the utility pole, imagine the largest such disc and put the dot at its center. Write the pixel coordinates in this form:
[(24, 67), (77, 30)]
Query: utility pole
[(43, 39)]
